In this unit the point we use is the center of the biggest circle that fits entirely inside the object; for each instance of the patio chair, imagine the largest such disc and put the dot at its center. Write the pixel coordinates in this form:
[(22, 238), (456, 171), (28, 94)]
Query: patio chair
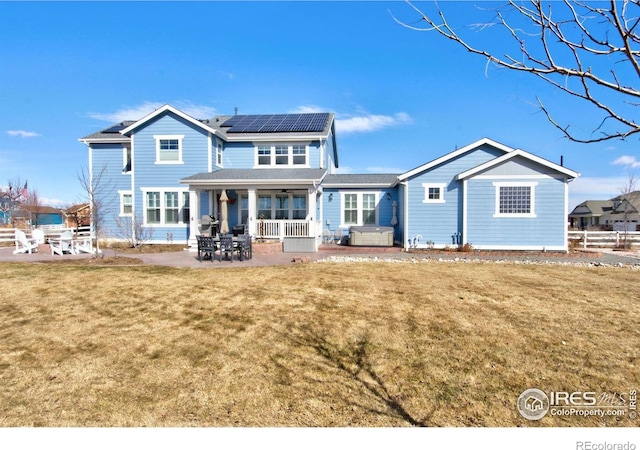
[(244, 247), (225, 247), (337, 236), (206, 247), (24, 244), (84, 245), (326, 236), (63, 244), (38, 236)]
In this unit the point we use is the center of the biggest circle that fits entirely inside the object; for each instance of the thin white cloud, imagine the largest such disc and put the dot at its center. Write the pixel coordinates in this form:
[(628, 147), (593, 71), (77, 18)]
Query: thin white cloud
[(22, 133), (595, 188), (360, 123), (628, 161), (382, 169), (307, 109), (139, 111), (370, 122)]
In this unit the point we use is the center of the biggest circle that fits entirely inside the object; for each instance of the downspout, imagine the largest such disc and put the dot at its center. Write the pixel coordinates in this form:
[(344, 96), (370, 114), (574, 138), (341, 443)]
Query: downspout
[(134, 218), (405, 215), (464, 212)]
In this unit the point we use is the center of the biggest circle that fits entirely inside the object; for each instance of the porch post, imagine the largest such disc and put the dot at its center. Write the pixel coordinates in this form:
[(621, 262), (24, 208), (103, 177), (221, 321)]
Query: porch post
[(311, 212), (194, 217), (253, 210)]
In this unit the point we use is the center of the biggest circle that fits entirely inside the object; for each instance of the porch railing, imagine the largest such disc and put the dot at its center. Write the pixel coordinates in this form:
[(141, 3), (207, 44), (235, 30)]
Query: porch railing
[(278, 229)]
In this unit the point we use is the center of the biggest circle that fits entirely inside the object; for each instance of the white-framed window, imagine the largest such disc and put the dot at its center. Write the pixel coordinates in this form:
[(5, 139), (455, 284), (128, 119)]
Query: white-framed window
[(359, 208), (264, 155), (166, 207), (282, 155), (515, 199), (218, 145), (126, 203), (281, 206), (127, 165), (433, 192), (169, 149), (268, 155), (299, 153)]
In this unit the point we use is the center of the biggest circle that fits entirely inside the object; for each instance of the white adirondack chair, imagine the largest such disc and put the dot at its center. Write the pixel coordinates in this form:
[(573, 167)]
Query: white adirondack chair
[(38, 236), (24, 244), (84, 245), (62, 245)]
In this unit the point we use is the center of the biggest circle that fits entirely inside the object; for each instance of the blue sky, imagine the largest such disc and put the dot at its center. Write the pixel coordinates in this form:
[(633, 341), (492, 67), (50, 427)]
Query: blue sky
[(401, 97)]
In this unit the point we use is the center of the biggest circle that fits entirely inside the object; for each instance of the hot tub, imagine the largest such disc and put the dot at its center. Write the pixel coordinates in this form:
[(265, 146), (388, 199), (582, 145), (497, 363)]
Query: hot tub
[(371, 236)]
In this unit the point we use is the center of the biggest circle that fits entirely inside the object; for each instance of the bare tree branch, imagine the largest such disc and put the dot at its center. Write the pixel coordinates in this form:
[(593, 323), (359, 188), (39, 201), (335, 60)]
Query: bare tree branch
[(570, 48)]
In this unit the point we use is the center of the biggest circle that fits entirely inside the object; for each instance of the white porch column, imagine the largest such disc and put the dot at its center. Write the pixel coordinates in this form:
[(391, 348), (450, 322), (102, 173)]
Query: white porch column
[(252, 199), (194, 218), (311, 210)]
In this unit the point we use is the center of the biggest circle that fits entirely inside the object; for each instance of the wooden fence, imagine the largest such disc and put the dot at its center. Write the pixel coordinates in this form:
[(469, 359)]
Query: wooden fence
[(604, 239)]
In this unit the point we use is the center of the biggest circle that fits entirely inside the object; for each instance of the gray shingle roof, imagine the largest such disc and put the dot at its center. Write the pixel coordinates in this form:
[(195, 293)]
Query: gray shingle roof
[(101, 135), (258, 175), (381, 179)]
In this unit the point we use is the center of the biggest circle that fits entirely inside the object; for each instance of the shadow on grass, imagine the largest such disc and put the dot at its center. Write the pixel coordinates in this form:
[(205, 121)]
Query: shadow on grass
[(353, 362)]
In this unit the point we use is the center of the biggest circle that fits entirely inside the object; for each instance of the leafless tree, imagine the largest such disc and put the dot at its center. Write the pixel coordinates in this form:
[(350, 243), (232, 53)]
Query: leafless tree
[(588, 50), (626, 208), (132, 229), (96, 187), (33, 205), (13, 195)]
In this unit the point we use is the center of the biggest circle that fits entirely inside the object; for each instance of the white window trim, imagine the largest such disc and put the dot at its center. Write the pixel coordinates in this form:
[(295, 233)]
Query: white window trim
[(426, 187), (360, 210), (161, 137), (124, 160), (162, 223), (272, 156), (273, 196), (531, 184), (218, 153), (122, 194)]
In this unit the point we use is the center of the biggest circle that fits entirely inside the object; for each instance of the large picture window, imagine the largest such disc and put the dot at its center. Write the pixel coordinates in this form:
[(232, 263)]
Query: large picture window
[(515, 199)]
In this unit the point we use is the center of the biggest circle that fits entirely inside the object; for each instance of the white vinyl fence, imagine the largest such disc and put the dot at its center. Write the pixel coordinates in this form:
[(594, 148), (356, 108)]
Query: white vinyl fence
[(7, 235), (605, 239)]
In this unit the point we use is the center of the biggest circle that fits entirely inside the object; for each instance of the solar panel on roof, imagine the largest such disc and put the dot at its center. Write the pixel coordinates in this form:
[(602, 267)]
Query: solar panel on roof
[(115, 128), (277, 123)]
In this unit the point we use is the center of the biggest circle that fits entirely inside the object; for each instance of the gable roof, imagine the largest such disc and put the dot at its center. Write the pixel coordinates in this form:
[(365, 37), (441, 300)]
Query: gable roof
[(515, 153), (163, 110), (455, 154), (592, 208)]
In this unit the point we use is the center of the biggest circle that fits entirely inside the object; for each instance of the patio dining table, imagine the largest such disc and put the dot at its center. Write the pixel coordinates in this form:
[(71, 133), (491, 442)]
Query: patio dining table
[(238, 241)]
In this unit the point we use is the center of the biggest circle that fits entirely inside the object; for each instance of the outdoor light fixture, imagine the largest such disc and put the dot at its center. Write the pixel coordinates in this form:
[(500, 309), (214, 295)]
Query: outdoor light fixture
[(388, 195), (331, 196)]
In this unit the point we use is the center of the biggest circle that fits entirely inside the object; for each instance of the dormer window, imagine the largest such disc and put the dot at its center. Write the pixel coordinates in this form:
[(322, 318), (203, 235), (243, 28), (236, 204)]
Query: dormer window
[(281, 155)]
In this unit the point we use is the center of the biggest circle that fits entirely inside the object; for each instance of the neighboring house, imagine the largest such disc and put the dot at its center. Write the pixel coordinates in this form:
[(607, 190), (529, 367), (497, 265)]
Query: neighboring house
[(41, 215), (77, 216), (168, 170), (618, 213)]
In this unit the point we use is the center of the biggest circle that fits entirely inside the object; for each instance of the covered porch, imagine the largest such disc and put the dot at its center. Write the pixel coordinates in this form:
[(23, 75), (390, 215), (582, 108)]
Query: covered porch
[(269, 203)]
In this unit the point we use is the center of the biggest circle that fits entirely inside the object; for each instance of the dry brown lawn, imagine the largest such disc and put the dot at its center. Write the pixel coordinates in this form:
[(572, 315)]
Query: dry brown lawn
[(318, 344)]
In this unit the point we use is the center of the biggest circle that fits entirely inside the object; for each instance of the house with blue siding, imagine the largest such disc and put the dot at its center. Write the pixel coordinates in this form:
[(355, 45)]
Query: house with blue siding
[(278, 176)]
